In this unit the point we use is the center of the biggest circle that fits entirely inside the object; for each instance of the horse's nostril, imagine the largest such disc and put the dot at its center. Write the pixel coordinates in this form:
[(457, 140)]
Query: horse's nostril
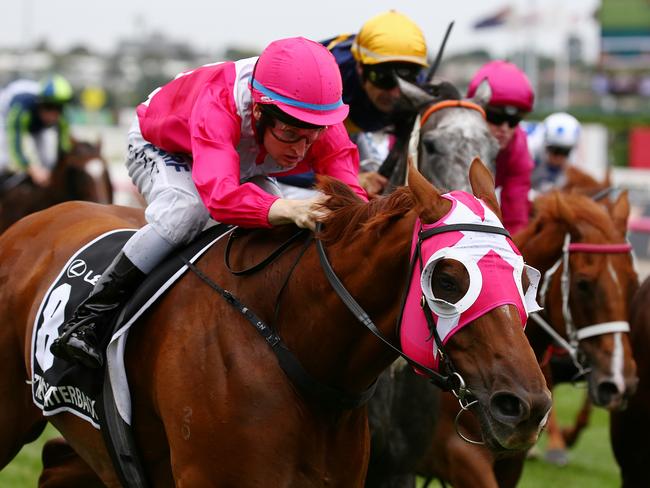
[(508, 407), (606, 392)]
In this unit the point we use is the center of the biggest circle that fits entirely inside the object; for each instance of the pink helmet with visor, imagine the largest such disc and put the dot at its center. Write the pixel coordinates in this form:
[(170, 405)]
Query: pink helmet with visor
[(510, 86), (302, 79)]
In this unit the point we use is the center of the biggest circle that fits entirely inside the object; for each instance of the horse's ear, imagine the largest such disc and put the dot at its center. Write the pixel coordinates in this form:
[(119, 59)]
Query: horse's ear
[(620, 212), (413, 94), (482, 184), (98, 144), (483, 94), (429, 205)]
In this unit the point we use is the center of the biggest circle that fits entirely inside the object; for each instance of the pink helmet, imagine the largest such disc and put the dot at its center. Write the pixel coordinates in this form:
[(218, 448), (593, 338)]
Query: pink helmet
[(302, 79), (510, 85)]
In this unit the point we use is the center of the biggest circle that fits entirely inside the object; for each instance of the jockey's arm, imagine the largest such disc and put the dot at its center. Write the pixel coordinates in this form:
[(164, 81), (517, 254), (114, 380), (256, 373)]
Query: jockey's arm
[(18, 121)]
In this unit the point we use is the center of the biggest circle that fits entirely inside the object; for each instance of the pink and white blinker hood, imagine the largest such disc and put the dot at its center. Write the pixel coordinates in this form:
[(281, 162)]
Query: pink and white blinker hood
[(495, 268)]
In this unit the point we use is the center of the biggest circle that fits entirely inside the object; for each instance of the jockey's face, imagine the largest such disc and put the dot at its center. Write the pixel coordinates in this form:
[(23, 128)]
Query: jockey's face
[(383, 97), (49, 115), (502, 124), (558, 156), (286, 144)]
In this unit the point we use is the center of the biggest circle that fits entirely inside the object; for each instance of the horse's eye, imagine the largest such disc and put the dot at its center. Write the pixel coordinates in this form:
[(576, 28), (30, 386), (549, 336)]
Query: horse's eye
[(449, 281), (446, 283), (584, 285), (429, 146)]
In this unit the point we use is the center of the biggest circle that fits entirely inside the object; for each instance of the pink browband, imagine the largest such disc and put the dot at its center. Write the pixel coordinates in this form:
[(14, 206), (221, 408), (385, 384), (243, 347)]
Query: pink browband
[(599, 248)]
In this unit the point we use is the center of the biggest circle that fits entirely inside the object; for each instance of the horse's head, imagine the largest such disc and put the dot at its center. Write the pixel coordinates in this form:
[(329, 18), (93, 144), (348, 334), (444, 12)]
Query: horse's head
[(479, 292), (82, 174), (589, 289), (452, 131)]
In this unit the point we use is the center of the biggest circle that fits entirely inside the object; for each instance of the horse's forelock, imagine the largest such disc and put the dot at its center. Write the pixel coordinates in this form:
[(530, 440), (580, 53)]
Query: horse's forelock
[(348, 214)]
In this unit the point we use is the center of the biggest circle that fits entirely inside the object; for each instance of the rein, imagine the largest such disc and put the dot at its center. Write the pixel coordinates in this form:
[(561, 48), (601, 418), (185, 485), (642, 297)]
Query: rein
[(288, 362)]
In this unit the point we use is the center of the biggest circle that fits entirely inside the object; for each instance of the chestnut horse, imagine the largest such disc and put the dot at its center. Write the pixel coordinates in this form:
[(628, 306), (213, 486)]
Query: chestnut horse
[(211, 405), (81, 174), (630, 428), (600, 283)]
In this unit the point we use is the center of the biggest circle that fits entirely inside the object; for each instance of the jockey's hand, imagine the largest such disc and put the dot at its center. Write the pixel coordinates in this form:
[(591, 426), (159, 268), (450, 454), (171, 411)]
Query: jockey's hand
[(373, 183), (39, 175), (303, 213)]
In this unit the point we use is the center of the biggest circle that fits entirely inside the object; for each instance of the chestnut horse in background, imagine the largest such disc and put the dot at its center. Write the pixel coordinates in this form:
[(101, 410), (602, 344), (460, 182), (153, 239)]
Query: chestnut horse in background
[(80, 174), (630, 428), (211, 404), (602, 282)]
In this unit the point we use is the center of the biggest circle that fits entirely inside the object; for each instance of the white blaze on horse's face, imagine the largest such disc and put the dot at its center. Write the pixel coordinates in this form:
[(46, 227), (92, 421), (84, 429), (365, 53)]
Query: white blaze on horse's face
[(493, 263)]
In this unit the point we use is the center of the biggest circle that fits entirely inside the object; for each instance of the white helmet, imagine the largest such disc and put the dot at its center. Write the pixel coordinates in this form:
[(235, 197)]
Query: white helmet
[(562, 130)]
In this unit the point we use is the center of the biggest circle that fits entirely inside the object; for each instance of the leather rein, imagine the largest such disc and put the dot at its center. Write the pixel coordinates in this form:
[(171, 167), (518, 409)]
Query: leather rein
[(451, 381)]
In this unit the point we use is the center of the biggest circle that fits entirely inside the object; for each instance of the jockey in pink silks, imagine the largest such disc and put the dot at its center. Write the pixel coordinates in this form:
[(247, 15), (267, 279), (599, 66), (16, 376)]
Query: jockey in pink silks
[(512, 98), (208, 144)]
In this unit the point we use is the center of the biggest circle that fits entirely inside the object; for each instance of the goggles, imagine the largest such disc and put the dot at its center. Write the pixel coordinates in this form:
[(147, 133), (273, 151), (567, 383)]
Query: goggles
[(497, 117), (559, 150), (384, 75), (292, 135)]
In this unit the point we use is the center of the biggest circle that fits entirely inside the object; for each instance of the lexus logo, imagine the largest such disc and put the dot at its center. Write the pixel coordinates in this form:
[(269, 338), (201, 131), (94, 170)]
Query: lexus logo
[(77, 268)]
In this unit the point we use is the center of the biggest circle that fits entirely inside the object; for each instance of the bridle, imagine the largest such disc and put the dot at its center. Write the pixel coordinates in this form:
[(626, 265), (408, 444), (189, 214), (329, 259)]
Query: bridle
[(574, 334), (421, 119), (451, 381)]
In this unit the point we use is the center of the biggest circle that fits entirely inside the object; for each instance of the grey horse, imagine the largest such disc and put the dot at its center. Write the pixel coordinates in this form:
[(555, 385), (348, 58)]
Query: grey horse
[(450, 137), (444, 147)]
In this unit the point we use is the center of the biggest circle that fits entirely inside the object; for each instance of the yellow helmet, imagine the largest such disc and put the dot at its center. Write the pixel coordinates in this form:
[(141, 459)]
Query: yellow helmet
[(390, 37)]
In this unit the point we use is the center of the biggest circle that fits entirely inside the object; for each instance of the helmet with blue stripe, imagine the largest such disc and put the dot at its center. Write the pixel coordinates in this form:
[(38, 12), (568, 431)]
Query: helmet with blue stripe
[(301, 78), (55, 90)]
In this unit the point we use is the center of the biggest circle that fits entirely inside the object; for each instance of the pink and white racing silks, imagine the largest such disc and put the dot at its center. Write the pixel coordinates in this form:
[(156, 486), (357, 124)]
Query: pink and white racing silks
[(495, 269), (207, 113)]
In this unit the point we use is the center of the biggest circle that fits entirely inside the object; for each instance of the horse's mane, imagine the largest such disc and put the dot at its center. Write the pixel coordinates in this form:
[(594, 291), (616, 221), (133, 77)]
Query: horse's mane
[(348, 214), (583, 209)]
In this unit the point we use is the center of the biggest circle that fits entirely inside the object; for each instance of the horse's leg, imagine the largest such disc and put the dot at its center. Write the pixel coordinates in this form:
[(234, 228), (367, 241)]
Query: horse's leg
[(20, 421), (64, 468), (470, 466), (571, 434), (87, 442)]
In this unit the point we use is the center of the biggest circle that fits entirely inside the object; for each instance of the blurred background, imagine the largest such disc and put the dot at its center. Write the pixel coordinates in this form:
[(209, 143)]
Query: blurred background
[(590, 58)]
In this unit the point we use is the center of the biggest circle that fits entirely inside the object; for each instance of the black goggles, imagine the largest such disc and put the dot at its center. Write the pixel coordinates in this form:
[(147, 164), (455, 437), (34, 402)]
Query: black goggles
[(384, 75), (498, 118), (559, 150)]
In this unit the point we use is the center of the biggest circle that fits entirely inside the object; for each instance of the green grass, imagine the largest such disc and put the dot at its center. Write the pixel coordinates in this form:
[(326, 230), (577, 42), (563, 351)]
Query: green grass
[(24, 470), (591, 461)]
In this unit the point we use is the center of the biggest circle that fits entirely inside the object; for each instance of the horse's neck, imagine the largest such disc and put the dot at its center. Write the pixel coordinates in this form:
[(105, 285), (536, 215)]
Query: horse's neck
[(333, 345)]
